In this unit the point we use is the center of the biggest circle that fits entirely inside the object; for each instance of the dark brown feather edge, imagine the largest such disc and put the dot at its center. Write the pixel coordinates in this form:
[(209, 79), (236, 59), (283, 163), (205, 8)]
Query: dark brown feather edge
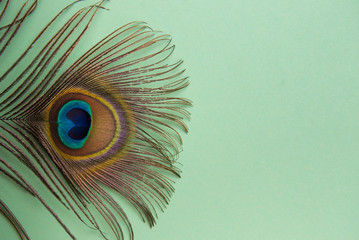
[(14, 221)]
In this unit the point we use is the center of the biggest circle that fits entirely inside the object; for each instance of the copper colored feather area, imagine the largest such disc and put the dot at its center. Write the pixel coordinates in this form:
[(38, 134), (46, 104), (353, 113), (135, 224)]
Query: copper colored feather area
[(109, 120)]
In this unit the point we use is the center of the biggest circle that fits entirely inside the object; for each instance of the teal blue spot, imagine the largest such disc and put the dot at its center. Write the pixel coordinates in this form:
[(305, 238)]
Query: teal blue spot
[(74, 123)]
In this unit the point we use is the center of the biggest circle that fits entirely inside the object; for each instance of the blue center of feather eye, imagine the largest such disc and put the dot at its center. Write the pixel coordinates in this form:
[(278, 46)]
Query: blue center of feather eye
[(74, 123)]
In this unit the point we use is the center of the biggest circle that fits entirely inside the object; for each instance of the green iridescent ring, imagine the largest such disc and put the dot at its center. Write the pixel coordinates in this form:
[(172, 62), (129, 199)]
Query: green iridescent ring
[(74, 123)]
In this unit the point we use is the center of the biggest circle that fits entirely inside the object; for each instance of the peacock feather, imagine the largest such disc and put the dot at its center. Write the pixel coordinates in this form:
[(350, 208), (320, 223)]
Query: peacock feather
[(109, 120)]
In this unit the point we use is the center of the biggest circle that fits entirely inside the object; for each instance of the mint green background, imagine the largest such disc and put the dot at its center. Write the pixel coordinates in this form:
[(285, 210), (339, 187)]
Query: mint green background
[(273, 147)]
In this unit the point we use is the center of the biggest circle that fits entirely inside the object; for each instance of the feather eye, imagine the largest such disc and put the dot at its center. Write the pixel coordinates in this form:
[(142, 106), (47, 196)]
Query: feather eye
[(81, 125), (109, 120)]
